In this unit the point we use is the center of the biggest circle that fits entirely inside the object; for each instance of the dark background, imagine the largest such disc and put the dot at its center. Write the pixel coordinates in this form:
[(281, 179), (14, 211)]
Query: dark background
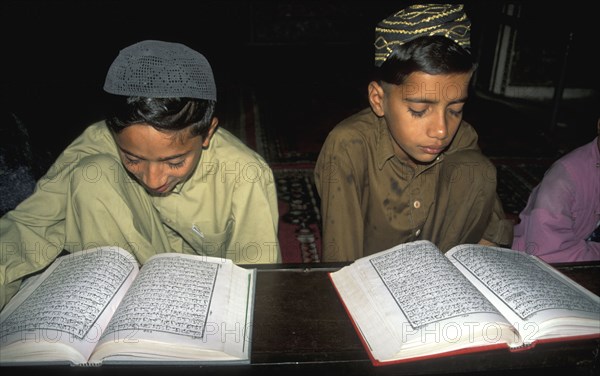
[(309, 59)]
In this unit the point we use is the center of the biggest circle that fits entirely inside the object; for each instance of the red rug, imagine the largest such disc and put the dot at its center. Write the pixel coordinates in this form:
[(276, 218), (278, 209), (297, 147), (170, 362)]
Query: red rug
[(300, 216)]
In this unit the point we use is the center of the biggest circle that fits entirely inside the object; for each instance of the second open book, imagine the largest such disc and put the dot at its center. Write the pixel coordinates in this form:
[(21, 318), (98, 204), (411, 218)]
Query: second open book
[(412, 302)]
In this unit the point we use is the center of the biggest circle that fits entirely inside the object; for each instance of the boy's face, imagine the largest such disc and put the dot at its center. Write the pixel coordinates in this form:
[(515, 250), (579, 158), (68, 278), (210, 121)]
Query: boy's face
[(160, 160), (423, 114)]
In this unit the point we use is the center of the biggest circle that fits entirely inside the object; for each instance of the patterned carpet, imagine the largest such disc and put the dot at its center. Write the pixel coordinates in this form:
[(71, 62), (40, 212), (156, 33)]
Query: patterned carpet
[(300, 217), (516, 178)]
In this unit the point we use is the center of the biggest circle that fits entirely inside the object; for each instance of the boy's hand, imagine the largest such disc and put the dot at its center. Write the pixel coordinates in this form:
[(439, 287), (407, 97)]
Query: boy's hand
[(487, 242)]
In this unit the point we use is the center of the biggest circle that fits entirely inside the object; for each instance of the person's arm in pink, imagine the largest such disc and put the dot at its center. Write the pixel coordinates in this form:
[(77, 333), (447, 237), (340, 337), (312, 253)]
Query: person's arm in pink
[(556, 221)]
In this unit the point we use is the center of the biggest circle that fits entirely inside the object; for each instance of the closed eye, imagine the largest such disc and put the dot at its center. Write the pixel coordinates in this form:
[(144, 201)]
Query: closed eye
[(176, 165), (417, 114), (455, 112), (131, 162)]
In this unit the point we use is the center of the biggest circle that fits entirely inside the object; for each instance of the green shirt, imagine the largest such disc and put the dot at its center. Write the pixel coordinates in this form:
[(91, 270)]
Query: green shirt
[(227, 208)]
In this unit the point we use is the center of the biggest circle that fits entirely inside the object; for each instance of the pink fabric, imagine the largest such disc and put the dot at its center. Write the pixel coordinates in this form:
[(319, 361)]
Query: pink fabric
[(563, 210)]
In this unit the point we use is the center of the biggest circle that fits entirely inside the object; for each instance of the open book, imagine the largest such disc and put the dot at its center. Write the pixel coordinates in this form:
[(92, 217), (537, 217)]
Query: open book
[(97, 306), (412, 302)]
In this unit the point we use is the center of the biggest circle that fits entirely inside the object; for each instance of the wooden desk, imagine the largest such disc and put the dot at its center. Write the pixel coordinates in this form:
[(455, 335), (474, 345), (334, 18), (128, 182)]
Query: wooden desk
[(301, 328)]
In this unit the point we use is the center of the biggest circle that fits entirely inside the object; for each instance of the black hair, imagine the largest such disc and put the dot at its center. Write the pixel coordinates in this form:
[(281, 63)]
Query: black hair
[(430, 54), (164, 114)]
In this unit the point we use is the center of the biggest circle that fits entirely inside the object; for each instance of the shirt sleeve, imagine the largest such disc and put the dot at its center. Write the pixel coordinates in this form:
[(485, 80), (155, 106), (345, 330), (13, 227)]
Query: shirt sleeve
[(254, 237), (500, 229), (338, 180), (33, 234), (547, 227)]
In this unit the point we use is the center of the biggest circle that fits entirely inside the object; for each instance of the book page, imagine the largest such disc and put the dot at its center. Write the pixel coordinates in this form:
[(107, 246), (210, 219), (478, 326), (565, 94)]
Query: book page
[(528, 291), (180, 307), (427, 288), (410, 301), (67, 308)]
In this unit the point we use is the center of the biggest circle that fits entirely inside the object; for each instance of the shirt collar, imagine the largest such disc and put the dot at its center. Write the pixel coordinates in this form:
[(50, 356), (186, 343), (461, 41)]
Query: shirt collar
[(179, 186), (385, 148)]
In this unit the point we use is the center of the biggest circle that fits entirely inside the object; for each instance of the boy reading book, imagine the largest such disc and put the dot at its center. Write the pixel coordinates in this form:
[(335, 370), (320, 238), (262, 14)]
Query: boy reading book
[(409, 168), (158, 175)]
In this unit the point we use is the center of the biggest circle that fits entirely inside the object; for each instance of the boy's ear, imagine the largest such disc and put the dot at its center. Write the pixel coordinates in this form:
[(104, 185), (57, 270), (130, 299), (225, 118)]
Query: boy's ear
[(376, 98), (213, 127)]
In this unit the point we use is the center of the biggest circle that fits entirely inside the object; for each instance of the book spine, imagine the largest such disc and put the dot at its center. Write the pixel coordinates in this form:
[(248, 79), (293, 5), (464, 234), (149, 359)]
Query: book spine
[(88, 364)]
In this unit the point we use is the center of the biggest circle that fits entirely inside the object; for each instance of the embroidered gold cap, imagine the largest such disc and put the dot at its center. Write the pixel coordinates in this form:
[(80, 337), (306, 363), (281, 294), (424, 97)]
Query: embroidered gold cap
[(448, 20)]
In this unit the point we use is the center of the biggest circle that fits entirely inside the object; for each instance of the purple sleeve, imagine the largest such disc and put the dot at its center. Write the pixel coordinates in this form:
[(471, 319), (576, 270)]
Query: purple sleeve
[(548, 227)]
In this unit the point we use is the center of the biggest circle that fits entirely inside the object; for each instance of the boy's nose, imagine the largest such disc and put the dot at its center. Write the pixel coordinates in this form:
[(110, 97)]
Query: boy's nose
[(154, 177), (438, 129)]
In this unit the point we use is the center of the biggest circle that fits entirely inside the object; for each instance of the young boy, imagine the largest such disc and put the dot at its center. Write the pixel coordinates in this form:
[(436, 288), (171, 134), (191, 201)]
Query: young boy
[(409, 167), (157, 176)]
